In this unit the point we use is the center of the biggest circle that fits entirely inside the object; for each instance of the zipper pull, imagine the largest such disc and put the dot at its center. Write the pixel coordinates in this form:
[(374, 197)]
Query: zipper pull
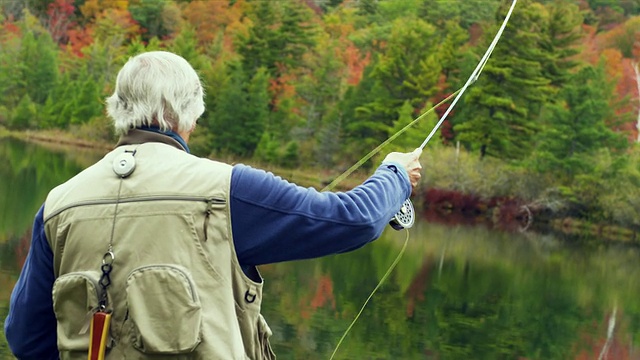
[(212, 203), (206, 221)]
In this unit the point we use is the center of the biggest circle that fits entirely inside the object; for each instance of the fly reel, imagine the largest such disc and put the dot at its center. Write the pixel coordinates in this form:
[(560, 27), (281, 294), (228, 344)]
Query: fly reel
[(405, 217)]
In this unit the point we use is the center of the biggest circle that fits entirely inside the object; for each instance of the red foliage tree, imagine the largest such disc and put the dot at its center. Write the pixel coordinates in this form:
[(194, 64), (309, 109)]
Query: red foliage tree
[(60, 19)]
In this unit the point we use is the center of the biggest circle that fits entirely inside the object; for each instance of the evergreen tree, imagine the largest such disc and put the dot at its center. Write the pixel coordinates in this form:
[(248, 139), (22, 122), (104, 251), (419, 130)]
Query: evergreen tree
[(407, 71), (453, 45), (368, 7), (24, 114), (56, 111), (578, 126), (229, 113), (185, 44), (502, 108), (76, 99), (415, 135), (560, 45), (365, 117), (282, 33), (149, 14), (38, 65), (321, 88), (87, 100), (328, 140), (466, 12), (267, 149), (291, 156), (327, 5), (240, 114), (12, 84), (410, 65), (257, 109)]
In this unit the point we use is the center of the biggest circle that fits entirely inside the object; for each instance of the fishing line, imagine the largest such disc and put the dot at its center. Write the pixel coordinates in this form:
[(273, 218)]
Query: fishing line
[(474, 76), (384, 277), (458, 93), (355, 166)]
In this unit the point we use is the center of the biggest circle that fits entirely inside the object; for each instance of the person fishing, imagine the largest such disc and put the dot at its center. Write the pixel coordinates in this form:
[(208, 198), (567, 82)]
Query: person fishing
[(152, 251)]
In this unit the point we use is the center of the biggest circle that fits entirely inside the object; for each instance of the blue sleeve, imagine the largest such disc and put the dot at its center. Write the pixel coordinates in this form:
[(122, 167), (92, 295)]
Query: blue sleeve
[(273, 220), (30, 327)]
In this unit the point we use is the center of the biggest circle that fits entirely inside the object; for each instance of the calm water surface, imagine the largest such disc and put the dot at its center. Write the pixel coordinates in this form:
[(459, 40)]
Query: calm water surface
[(457, 293)]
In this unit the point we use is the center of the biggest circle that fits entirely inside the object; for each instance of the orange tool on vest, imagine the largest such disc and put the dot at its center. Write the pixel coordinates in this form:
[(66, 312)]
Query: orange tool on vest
[(99, 335)]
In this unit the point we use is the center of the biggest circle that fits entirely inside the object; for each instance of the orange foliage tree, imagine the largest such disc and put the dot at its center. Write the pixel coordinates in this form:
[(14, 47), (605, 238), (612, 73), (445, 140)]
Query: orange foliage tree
[(92, 8), (211, 18)]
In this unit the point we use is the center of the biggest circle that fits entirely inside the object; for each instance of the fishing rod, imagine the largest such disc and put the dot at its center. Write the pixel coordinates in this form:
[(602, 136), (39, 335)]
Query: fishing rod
[(405, 217)]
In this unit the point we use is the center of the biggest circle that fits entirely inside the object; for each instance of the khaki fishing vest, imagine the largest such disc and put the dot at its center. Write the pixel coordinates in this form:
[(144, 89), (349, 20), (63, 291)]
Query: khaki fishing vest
[(177, 290)]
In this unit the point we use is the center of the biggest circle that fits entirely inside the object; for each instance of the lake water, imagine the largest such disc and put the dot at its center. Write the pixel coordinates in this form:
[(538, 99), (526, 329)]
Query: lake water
[(458, 292)]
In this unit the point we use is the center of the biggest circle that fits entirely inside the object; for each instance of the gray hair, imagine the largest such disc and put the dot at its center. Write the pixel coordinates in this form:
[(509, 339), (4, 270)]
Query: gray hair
[(156, 88)]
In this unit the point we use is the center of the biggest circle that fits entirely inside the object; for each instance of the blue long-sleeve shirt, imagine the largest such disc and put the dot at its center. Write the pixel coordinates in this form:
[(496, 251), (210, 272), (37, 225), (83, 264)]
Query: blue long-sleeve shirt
[(272, 220)]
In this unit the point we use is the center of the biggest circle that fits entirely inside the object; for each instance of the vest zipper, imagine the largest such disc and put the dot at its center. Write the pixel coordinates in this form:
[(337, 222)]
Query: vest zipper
[(209, 200)]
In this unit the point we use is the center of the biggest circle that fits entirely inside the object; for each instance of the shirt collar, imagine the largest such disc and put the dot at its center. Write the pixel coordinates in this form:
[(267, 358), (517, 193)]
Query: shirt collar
[(153, 134)]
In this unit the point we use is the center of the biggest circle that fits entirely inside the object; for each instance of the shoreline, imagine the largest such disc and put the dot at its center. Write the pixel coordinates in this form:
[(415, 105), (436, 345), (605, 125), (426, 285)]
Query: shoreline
[(507, 217), (64, 140), (60, 138)]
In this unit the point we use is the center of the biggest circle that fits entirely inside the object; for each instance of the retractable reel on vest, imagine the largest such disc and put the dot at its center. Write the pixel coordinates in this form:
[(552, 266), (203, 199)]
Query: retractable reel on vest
[(124, 164)]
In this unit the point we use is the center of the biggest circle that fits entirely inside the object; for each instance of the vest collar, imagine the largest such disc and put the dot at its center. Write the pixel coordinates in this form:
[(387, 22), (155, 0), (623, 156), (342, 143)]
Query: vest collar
[(141, 136)]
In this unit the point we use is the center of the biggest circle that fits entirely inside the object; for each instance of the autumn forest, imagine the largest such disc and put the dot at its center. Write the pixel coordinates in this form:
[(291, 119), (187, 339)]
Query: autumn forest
[(553, 119)]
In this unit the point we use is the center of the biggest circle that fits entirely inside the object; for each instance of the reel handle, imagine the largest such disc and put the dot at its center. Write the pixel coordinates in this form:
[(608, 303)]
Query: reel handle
[(405, 217)]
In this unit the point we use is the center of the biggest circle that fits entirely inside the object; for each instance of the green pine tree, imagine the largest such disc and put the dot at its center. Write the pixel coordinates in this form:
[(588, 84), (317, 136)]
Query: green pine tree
[(501, 110), (561, 42), (185, 44), (12, 84), (87, 102), (282, 32), (407, 71), (414, 135), (241, 111), (229, 113), (38, 64), (24, 114), (577, 126)]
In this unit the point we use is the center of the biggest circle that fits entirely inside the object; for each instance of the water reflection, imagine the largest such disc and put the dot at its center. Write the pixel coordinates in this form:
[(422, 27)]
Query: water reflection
[(26, 176), (461, 293), (458, 293)]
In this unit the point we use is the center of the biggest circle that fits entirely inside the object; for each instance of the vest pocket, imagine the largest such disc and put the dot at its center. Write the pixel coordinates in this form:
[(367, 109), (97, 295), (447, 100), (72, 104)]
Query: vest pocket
[(165, 310), (75, 299), (264, 333), (255, 334)]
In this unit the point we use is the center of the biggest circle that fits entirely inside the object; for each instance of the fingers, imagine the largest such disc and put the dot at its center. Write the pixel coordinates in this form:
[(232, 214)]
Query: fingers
[(415, 174), (414, 178), (411, 162)]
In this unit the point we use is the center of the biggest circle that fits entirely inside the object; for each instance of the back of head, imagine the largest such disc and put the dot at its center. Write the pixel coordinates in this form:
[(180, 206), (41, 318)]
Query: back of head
[(156, 88)]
